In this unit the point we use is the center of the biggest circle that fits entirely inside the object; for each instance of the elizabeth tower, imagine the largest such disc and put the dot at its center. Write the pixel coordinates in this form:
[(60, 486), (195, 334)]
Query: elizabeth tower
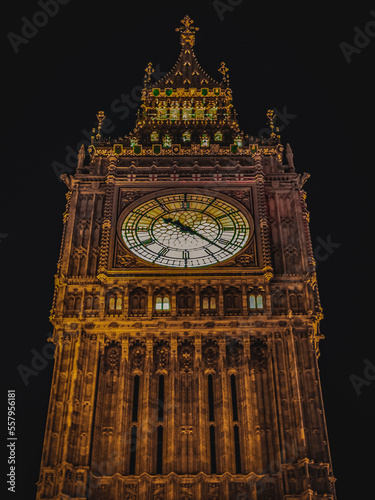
[(186, 310)]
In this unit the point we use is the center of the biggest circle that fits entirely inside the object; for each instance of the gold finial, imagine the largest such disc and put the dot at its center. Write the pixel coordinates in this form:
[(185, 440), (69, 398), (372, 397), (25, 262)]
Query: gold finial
[(100, 116), (272, 118), (187, 32), (224, 71), (149, 70)]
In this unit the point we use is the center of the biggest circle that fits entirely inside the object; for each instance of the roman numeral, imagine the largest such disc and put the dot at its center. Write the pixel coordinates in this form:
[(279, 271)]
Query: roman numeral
[(162, 206), (222, 241), (229, 213)]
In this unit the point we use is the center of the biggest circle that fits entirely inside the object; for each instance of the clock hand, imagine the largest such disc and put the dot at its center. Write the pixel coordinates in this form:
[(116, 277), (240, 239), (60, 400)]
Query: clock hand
[(177, 223), (187, 229), (210, 241)]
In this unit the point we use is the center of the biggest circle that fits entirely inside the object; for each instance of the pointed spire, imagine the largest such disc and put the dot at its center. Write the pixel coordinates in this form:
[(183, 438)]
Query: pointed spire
[(187, 33)]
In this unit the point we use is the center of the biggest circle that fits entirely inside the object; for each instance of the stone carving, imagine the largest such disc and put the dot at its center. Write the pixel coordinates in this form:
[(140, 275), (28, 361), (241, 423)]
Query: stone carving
[(130, 492), (158, 493), (161, 356), (213, 491), (258, 349), (186, 357), (129, 196), (245, 260), (125, 260), (137, 356), (234, 354), (112, 357), (210, 354)]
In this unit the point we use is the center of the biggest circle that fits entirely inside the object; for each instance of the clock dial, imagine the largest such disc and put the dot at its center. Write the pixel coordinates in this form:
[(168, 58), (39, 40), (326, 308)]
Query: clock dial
[(185, 230)]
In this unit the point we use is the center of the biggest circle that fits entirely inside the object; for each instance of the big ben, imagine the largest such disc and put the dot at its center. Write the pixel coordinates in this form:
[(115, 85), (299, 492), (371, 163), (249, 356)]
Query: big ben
[(186, 310)]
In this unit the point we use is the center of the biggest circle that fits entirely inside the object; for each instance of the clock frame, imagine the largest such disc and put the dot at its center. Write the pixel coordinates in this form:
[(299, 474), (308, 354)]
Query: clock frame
[(188, 228)]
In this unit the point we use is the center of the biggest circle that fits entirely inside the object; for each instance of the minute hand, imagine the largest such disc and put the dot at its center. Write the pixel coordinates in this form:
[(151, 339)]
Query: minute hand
[(192, 231)]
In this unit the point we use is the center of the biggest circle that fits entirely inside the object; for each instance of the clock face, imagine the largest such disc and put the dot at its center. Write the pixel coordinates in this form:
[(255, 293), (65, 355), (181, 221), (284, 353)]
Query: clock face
[(185, 230)]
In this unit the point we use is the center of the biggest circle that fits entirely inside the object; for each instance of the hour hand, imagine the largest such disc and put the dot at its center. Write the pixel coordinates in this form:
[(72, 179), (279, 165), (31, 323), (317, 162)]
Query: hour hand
[(168, 220), (177, 223)]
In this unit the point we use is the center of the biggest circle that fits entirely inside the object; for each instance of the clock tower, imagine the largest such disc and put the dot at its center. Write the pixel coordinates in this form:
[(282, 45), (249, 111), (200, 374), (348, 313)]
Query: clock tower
[(186, 311)]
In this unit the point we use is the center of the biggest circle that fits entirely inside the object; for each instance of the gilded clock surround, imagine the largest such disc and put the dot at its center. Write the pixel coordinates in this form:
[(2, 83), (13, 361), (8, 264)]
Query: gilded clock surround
[(238, 246), (186, 383)]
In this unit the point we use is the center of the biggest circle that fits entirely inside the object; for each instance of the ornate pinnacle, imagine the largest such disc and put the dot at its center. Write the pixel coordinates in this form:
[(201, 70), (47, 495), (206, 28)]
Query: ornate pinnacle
[(81, 157), (149, 70), (224, 71), (100, 116), (289, 157), (187, 32), (271, 120)]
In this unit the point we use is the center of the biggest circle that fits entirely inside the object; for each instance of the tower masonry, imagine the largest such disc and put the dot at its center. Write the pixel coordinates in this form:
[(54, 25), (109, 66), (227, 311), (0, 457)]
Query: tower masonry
[(186, 310)]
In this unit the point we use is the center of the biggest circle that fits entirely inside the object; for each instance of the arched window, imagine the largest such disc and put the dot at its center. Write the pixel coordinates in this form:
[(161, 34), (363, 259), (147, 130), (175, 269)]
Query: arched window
[(300, 304), (138, 302), (255, 301), (181, 302), (228, 302), (134, 302), (232, 301), (278, 302), (71, 303), (142, 303), (252, 302), (185, 301), (88, 303), (162, 303), (77, 304), (95, 304), (115, 303), (209, 301), (213, 302), (236, 302)]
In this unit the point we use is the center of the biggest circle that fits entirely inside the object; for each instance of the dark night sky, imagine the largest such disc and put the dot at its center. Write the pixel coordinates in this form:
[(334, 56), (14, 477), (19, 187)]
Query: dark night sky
[(286, 58)]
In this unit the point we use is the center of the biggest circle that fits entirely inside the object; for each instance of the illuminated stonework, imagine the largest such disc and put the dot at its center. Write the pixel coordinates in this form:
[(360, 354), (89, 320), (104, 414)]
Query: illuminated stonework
[(186, 311)]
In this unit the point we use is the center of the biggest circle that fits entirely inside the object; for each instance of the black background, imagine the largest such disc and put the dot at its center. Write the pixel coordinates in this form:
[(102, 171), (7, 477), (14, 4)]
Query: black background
[(280, 57)]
